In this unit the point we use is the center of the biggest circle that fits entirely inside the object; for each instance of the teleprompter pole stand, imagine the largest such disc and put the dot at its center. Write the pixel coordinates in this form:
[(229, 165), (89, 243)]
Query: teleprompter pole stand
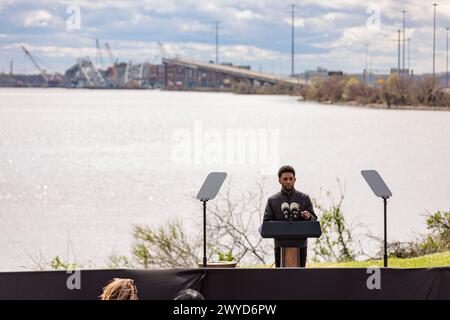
[(204, 233), (385, 233), (381, 190), (207, 192)]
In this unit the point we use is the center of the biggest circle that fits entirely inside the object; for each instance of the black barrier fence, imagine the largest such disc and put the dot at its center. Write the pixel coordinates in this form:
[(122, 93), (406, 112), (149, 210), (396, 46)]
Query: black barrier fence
[(235, 284)]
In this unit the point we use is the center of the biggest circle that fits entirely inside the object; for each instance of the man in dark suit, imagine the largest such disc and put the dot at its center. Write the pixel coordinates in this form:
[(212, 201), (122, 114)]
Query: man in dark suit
[(288, 194)]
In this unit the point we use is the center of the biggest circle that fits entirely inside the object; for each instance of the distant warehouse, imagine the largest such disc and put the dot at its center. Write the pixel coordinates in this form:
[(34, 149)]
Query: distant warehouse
[(186, 74)]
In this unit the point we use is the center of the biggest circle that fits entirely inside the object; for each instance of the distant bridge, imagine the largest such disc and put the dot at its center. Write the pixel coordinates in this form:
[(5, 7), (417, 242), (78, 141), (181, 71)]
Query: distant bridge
[(186, 73)]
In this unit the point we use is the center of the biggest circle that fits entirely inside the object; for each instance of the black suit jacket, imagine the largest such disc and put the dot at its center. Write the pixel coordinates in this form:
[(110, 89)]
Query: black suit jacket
[(273, 208)]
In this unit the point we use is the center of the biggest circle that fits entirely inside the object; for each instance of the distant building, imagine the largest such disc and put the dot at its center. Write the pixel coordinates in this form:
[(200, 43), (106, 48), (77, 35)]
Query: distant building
[(319, 73), (22, 80), (153, 76), (335, 73), (401, 71)]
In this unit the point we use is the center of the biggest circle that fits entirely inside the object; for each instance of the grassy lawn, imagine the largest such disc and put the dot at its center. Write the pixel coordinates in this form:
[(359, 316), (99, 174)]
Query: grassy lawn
[(433, 260), (441, 259)]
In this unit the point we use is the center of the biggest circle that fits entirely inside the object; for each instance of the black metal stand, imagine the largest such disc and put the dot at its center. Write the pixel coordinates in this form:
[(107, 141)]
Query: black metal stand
[(385, 233), (381, 190), (204, 232)]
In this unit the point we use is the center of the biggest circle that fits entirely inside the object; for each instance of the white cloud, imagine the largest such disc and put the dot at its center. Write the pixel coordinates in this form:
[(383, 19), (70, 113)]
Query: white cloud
[(6, 3), (227, 52), (36, 18), (193, 26), (101, 5), (54, 51), (360, 35), (209, 6), (138, 18), (248, 53), (298, 22), (159, 6), (247, 14), (417, 11), (138, 50), (329, 22), (253, 30), (330, 16)]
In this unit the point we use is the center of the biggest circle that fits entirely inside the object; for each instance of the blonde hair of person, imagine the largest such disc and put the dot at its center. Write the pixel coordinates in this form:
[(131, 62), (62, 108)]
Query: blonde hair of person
[(120, 289)]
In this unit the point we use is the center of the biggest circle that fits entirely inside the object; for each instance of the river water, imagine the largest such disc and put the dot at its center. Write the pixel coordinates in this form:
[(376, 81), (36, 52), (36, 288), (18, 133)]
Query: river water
[(79, 168)]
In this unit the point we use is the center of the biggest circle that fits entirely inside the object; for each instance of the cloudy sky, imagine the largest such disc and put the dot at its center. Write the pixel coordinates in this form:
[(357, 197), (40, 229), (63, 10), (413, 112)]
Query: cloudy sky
[(328, 33)]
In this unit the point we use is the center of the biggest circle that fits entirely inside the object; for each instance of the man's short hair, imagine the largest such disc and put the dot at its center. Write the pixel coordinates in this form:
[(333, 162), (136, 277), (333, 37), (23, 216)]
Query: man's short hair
[(189, 294), (285, 169)]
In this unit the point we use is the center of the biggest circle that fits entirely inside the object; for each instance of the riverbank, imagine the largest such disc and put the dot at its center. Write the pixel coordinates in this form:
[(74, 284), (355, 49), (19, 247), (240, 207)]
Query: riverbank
[(381, 106), (400, 93)]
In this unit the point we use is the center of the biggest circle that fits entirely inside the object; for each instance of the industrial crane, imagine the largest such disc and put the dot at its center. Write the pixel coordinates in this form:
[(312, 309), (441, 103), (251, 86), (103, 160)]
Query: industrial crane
[(33, 60), (113, 63), (111, 58), (98, 55), (161, 49)]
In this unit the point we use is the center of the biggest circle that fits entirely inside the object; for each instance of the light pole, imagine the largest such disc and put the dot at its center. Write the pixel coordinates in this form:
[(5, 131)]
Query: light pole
[(446, 69), (292, 40), (434, 40), (365, 63), (404, 14), (217, 42), (398, 65), (409, 57)]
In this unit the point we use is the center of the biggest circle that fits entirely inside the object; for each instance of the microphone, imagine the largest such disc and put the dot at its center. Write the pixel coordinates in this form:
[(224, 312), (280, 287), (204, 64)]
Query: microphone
[(285, 210), (294, 210)]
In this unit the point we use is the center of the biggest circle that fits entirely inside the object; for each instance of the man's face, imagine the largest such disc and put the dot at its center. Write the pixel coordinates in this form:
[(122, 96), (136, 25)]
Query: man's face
[(287, 181)]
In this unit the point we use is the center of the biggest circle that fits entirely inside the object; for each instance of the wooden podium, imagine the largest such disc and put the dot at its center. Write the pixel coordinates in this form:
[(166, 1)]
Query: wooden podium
[(290, 235), (290, 257)]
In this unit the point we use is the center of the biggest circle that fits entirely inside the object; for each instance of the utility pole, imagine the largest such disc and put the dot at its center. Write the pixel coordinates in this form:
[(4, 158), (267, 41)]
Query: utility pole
[(404, 14), (434, 40), (447, 61), (409, 56), (398, 64), (365, 63), (217, 42), (11, 67), (292, 39)]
